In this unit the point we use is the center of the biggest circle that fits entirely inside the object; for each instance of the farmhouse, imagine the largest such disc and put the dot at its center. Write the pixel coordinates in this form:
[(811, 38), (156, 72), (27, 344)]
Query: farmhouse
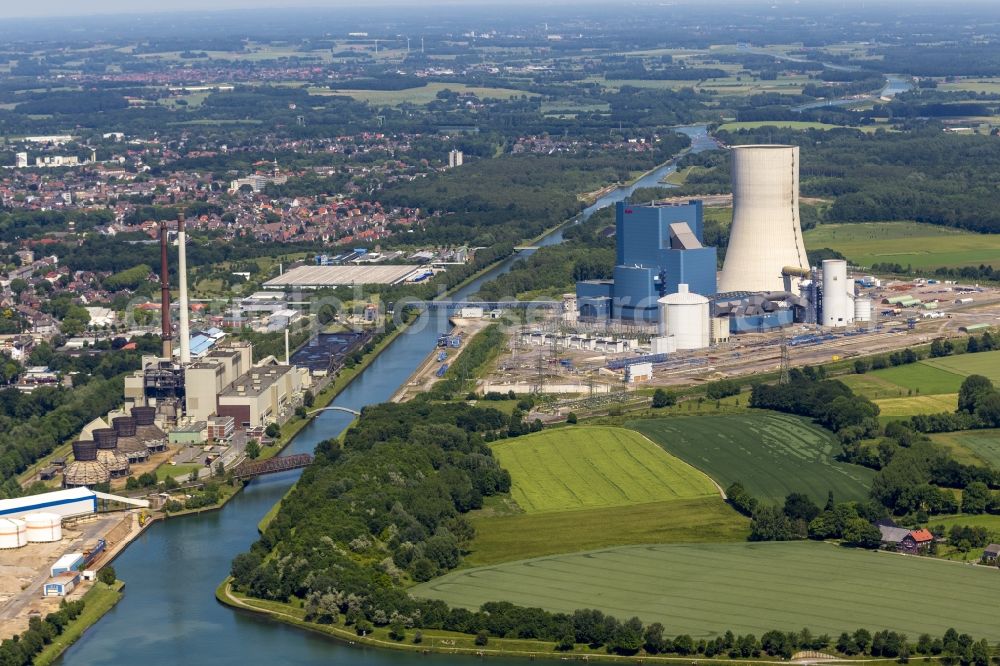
[(992, 553), (892, 536), (916, 541)]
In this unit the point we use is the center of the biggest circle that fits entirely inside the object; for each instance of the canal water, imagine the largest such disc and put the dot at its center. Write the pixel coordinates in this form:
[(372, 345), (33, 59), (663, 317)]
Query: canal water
[(169, 614)]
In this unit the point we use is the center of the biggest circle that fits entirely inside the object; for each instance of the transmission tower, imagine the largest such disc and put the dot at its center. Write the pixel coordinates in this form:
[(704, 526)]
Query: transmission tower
[(785, 361), (540, 378)]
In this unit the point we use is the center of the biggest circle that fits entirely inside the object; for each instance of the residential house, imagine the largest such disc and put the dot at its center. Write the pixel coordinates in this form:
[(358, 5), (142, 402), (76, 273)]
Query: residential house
[(917, 541)]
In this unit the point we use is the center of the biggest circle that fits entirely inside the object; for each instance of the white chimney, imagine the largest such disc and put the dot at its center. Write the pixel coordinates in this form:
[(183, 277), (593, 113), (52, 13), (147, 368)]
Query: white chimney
[(185, 324), (287, 355)]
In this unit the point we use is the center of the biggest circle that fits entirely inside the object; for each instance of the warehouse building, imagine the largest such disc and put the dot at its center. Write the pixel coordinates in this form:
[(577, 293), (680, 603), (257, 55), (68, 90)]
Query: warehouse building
[(318, 277), (66, 503)]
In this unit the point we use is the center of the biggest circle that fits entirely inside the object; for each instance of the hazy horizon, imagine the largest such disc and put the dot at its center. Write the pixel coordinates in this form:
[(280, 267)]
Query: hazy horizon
[(72, 8)]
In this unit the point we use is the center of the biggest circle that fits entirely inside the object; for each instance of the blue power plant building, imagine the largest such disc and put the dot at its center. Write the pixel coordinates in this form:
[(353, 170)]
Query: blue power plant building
[(658, 246)]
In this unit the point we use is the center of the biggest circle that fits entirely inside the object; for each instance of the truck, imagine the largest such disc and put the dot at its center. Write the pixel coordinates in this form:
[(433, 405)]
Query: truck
[(440, 372), (442, 355)]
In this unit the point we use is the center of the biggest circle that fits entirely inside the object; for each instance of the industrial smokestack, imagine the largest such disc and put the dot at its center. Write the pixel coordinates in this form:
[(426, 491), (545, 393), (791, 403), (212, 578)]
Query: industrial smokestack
[(765, 236), (165, 332), (185, 326), (288, 358)]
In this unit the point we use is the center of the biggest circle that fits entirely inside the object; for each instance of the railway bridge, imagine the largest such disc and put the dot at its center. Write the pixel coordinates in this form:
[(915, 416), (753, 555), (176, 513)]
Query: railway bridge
[(249, 469)]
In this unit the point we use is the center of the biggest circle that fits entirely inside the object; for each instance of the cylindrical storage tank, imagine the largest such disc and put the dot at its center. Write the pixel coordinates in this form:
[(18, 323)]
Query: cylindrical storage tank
[(106, 438), (687, 318), (862, 308), (765, 235), (84, 450), (43, 527), (13, 533), (144, 415), (835, 288), (662, 328), (124, 426)]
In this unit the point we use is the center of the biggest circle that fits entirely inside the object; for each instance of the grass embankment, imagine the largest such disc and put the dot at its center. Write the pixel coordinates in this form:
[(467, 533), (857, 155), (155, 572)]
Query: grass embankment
[(702, 589), (922, 246), (98, 600), (771, 454), (587, 487)]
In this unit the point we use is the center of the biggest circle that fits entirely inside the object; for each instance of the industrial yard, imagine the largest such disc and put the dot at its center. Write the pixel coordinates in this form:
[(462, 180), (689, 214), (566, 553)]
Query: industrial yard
[(560, 357), (53, 544)]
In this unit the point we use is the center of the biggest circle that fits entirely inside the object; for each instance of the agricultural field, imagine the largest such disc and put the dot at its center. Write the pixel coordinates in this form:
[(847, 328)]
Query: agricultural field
[(905, 243), (972, 447), (592, 467), (963, 365), (571, 485), (990, 86), (771, 454), (918, 404), (506, 538), (789, 124), (705, 589), (921, 378), (421, 95)]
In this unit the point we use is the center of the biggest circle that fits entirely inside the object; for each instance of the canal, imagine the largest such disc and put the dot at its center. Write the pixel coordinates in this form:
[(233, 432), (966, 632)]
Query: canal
[(169, 614)]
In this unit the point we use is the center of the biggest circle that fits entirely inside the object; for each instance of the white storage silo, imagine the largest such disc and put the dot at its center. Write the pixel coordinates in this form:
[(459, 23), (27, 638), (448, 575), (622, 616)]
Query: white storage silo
[(43, 527), (862, 308), (687, 318), (765, 235), (835, 296), (13, 533)]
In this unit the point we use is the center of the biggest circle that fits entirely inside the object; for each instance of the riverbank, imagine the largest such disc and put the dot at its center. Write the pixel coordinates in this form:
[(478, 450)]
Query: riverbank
[(97, 601), (453, 643)]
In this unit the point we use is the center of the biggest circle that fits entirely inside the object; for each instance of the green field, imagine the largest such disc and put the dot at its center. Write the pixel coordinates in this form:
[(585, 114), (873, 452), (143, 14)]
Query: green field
[(914, 379), (905, 243), (516, 537), (972, 447), (790, 124), (770, 454), (963, 365), (705, 589), (422, 95), (591, 467), (918, 404)]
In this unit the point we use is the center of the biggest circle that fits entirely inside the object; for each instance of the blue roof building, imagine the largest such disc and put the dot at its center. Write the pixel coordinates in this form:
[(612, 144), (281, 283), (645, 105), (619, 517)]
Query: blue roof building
[(658, 246)]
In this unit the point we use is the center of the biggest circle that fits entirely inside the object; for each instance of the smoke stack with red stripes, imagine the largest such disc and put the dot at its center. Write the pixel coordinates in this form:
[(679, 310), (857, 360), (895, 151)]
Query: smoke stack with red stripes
[(165, 332), (185, 324)]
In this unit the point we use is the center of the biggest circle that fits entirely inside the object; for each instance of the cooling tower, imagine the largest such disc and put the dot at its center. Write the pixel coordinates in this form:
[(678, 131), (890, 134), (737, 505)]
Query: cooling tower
[(765, 235)]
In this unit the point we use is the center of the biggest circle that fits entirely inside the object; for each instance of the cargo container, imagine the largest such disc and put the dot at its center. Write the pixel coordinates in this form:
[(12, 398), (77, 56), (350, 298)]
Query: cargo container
[(443, 369)]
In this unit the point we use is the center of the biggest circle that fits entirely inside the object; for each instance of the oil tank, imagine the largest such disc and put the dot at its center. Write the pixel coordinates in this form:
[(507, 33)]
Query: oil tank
[(765, 236), (835, 297), (124, 426), (687, 318), (862, 309), (13, 533), (144, 415), (106, 438), (43, 527)]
